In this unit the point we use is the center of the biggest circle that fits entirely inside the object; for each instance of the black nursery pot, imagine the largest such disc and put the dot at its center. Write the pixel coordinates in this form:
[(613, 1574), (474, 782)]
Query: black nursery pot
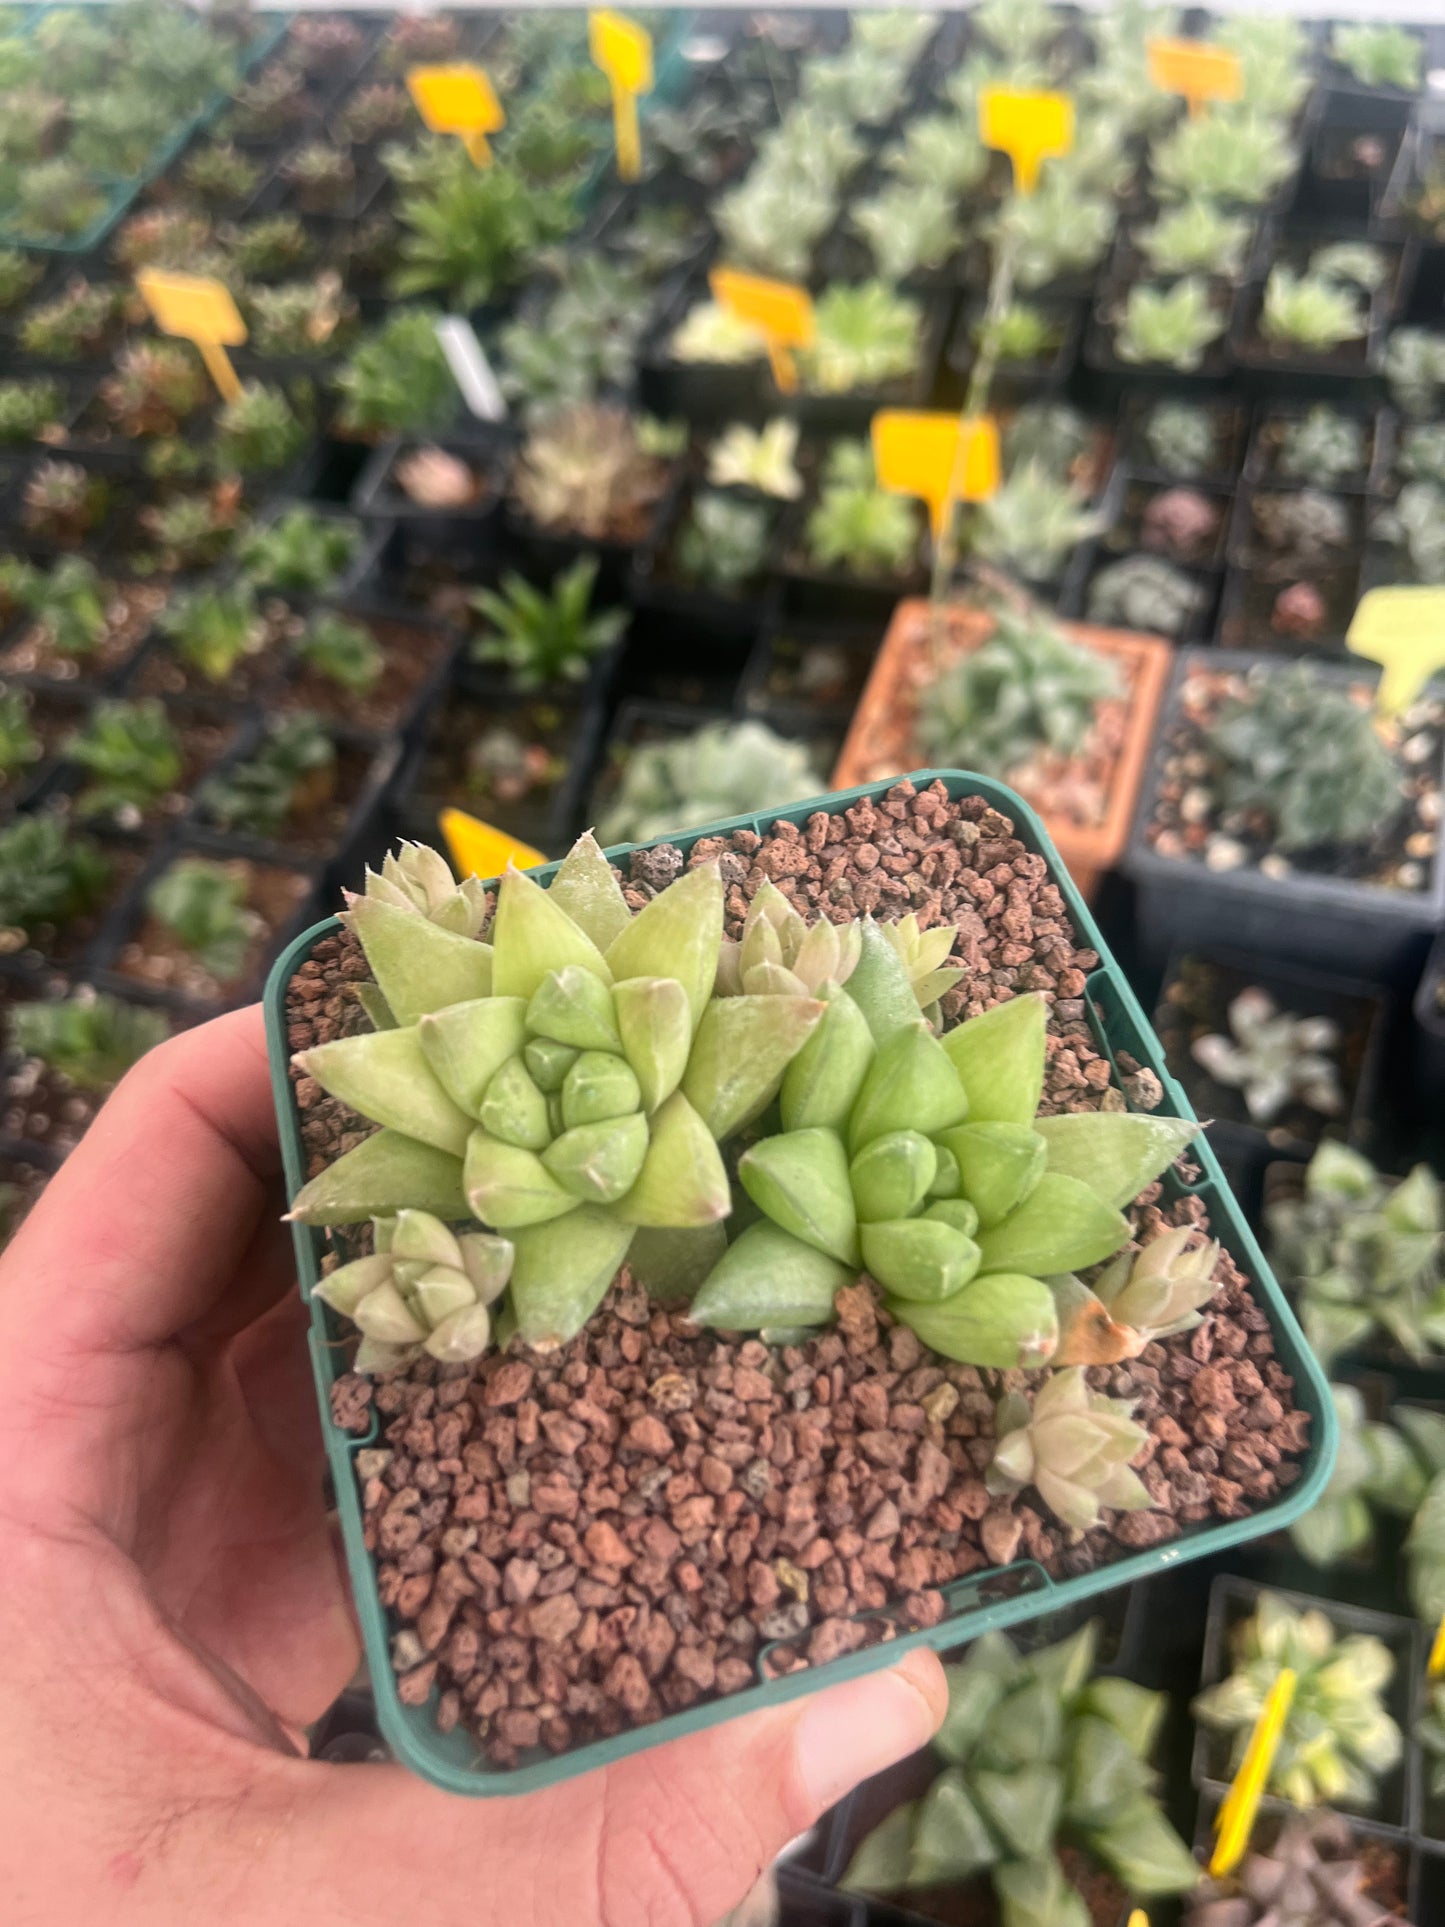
[(657, 583), (800, 670), (1261, 463), (1420, 1874), (468, 530), (696, 391), (1428, 1036)]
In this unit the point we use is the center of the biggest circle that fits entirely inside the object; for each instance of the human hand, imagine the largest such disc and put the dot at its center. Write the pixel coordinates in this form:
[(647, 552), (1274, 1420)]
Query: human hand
[(173, 1614)]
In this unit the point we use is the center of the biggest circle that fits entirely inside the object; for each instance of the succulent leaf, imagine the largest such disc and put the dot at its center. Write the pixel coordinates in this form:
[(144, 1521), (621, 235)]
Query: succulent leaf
[(598, 1086), (586, 887), (1116, 1153), (654, 1020), (921, 1260), (998, 1165), (739, 1056), (676, 935), (599, 1162), (800, 1179), (892, 1176), (418, 965), (509, 1187), (821, 1085), (951, 1840), (532, 936), (880, 984), (1003, 1319), (767, 1277), (386, 1077), (574, 1006), (999, 1057), (514, 1110), (1061, 1225), (383, 1173), (1074, 1447), (466, 1044), (561, 1273), (683, 1180), (910, 1085)]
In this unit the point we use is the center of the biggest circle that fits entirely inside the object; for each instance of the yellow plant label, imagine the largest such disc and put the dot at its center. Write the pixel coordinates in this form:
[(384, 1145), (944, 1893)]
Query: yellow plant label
[(1138, 1918), (938, 457), (623, 50), (1195, 69), (1402, 629), (781, 310), (480, 851), (197, 309), (459, 99), (1437, 1652), (1234, 1822), (1030, 128)]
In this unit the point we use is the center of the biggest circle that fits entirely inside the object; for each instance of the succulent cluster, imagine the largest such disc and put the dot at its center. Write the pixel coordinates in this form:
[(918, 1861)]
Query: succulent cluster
[(707, 775), (1376, 1470), (203, 904), (1145, 592), (545, 637), (855, 525), (1173, 326), (87, 1038), (589, 470), (761, 459), (1303, 1870), (1274, 1058)]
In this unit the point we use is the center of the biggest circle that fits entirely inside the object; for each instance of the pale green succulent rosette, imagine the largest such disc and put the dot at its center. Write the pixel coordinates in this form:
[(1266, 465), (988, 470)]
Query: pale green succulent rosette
[(1073, 1446), (421, 1288)]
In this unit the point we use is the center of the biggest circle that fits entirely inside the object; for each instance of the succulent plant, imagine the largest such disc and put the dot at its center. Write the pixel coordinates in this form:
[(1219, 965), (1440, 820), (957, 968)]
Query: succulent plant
[(1057, 230), (270, 245), (421, 1288), (1425, 1541), (1181, 437), (341, 651), (712, 334), (1054, 433), (27, 407), (117, 131), (300, 551), (584, 470), (62, 502), (1420, 455), (1322, 445), (1308, 524), (376, 109), (1303, 1870), (866, 336), (1415, 370), (132, 757), (469, 231), (723, 542), (1161, 1289), (774, 220), (301, 317), (19, 273), (549, 636), (1356, 264), (203, 905), (219, 174), (320, 43), (1379, 54), (1274, 1058), (1196, 237), (1361, 1253), (1232, 154), (55, 199), (1027, 692), (1022, 31), (1021, 333), (853, 85), (941, 150), (397, 381), (1337, 1739), (1073, 1446), (763, 459), (415, 39), (212, 628), (259, 431), (76, 323), (585, 339), (33, 119), (164, 237), (1275, 61), (1309, 311), (89, 1039), (322, 176), (908, 225), (417, 879), (1032, 523), (48, 875), (1173, 327), (290, 773), (157, 386), (1306, 756), (1035, 1751), (1412, 523), (20, 746), (68, 600), (706, 775), (1376, 1469), (924, 955), (1145, 592), (855, 525)]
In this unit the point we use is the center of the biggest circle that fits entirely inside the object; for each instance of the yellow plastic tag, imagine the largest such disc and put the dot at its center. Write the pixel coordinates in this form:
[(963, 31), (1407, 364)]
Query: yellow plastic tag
[(1030, 128), (1234, 1821), (623, 51), (480, 851), (1196, 69), (1138, 1918), (1437, 1652), (936, 456), (1403, 629), (779, 309), (199, 310), (459, 100)]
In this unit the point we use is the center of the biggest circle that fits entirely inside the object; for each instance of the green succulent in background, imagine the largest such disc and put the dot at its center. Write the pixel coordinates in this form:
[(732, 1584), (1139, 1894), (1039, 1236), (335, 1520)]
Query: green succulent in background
[(773, 221), (866, 336), (1118, 87), (1274, 1057), (723, 543), (1322, 445), (1057, 230), (1021, 333), (1145, 592), (547, 145), (19, 273), (213, 629), (1355, 263), (219, 173), (469, 231), (116, 132), (1376, 1469), (1230, 154), (69, 602), (341, 651), (1413, 524), (856, 525), (1415, 370), (1425, 1542), (763, 459), (546, 636), (1017, 29), (88, 1038), (299, 551), (854, 85), (1032, 523), (1053, 433), (155, 388), (941, 150), (1309, 311), (710, 333), (271, 245), (585, 340), (1430, 1733), (1338, 1739), (396, 380), (1361, 1254), (203, 905), (704, 776), (1036, 1751), (908, 225), (132, 755), (1274, 57), (48, 874), (20, 746), (292, 769), (1172, 327), (1420, 455), (1301, 752), (1182, 438), (1306, 524), (55, 199), (896, 35), (74, 324), (1028, 691), (312, 317), (1380, 55), (63, 501), (27, 407), (421, 1288), (259, 431), (1196, 237)]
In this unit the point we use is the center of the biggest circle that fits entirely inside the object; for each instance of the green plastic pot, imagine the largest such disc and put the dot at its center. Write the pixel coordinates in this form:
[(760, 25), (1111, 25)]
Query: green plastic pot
[(978, 1603)]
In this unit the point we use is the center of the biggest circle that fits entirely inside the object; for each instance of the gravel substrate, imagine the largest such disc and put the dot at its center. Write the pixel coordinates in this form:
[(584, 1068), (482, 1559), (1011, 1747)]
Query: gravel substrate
[(576, 1543)]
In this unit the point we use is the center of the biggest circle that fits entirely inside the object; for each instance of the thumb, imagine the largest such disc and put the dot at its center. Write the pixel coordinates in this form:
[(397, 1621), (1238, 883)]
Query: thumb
[(673, 1837)]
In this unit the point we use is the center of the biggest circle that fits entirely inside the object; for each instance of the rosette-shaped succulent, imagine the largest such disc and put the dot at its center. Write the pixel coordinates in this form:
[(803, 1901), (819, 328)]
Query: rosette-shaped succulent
[(1073, 1446), (1143, 1295), (922, 1160), (567, 1084), (779, 954), (419, 878), (925, 956), (422, 1288)]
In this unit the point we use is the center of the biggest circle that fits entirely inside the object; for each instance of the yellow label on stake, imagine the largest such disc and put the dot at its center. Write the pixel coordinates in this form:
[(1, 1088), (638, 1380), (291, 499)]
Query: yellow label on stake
[(1403, 629), (1234, 1821), (1030, 128), (459, 99), (1196, 69), (1437, 1652), (936, 456), (1138, 1918), (623, 51), (199, 310), (480, 851), (781, 310)]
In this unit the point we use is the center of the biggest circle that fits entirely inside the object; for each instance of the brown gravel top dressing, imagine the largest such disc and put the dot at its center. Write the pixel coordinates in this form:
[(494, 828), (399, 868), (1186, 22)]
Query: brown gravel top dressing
[(573, 1544)]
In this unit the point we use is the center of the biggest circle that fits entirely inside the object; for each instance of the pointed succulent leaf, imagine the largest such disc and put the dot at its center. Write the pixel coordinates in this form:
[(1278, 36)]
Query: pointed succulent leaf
[(597, 1087), (344, 1288), (1063, 1669), (892, 1175), (372, 1356), (951, 1839), (656, 1026), (467, 1044), (385, 1075), (1036, 1893), (800, 1179), (884, 1858), (957, 1212), (676, 935), (1061, 1225), (418, 966), (998, 1165), (549, 1063), (599, 1162), (773, 980), (562, 1271), (1133, 1710), (768, 1277), (514, 1110), (879, 984), (1003, 1319), (910, 1085), (487, 1261), (1116, 1153), (919, 1259), (1088, 1333), (976, 1685), (378, 1010), (1141, 1849), (509, 1187), (821, 1084), (419, 1234), (573, 1006), (999, 1057), (586, 887), (947, 1178), (458, 1339), (385, 1315), (1104, 1772), (382, 1174), (672, 1263), (1023, 1806), (683, 1180), (439, 1292), (532, 935), (742, 1048)]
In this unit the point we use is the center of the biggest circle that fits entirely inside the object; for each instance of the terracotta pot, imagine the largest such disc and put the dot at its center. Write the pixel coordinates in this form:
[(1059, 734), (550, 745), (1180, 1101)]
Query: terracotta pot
[(881, 738)]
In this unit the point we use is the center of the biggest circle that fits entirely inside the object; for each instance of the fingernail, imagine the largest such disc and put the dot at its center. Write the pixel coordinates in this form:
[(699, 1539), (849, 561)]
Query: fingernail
[(853, 1731)]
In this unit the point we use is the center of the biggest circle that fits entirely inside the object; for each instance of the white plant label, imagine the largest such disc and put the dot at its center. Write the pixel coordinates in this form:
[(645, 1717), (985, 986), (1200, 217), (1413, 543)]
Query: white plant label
[(470, 368)]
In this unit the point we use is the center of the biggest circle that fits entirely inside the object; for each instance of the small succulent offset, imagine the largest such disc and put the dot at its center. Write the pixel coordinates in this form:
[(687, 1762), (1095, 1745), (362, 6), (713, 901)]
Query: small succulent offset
[(1338, 1739), (1376, 1469), (1035, 1751), (62, 502), (855, 525), (1174, 326), (1032, 523), (1145, 592), (341, 651), (1362, 1254), (132, 756), (544, 637), (48, 875), (1196, 237), (1141, 1295), (723, 543), (1309, 311), (763, 459), (1380, 55), (705, 776), (203, 905), (422, 1288), (1073, 1446), (300, 552), (1274, 1058), (89, 1039), (866, 335)]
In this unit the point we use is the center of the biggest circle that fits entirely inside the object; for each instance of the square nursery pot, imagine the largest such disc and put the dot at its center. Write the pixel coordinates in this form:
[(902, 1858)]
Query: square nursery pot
[(469, 528), (881, 742), (1017, 1594), (1359, 928)]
